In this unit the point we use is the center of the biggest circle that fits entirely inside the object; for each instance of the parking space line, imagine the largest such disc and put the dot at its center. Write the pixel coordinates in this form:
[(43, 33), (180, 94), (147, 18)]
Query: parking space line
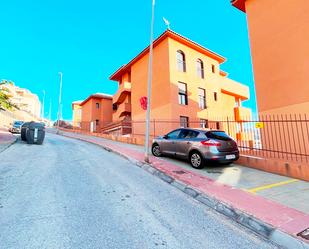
[(254, 190)]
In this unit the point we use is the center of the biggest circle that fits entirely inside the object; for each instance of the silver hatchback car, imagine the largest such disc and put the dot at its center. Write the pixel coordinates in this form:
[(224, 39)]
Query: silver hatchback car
[(197, 146)]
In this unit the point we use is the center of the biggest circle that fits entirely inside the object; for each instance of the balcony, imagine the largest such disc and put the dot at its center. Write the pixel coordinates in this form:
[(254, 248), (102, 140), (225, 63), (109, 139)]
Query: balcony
[(242, 114), (234, 88), (123, 127), (122, 110), (123, 91)]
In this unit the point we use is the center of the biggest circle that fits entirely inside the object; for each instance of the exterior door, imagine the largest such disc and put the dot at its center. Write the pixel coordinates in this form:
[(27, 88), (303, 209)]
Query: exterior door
[(168, 145)]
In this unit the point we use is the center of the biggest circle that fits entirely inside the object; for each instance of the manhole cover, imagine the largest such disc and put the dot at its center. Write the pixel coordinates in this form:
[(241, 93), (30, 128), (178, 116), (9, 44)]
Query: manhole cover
[(180, 172), (304, 234)]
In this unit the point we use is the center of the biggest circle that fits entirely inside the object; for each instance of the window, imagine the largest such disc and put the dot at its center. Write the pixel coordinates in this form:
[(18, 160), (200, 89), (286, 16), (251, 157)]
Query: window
[(182, 94), (215, 96), (97, 122), (115, 107), (188, 134), (173, 134), (204, 123), (200, 68), (202, 98), (184, 122), (97, 105), (181, 61), (220, 135), (213, 68)]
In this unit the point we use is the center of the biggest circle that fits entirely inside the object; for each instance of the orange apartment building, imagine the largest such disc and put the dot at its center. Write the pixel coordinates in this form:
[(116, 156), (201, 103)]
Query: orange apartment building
[(95, 112), (279, 37), (188, 88)]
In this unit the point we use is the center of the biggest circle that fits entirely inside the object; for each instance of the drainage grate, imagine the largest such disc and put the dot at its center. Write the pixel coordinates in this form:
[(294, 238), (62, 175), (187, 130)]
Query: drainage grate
[(304, 234), (180, 172), (214, 171)]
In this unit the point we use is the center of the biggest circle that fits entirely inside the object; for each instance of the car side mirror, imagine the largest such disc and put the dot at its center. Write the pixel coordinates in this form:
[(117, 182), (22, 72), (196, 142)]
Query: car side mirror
[(165, 136)]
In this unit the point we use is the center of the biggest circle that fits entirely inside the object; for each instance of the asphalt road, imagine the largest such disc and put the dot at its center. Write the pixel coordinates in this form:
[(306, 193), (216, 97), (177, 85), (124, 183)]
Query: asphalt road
[(71, 194)]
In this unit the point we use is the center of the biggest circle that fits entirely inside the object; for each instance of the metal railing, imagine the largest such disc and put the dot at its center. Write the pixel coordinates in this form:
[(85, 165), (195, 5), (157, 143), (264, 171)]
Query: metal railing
[(269, 136)]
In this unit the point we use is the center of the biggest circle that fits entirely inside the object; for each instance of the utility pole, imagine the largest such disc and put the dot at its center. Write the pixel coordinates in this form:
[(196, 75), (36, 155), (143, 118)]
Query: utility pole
[(149, 84), (59, 103)]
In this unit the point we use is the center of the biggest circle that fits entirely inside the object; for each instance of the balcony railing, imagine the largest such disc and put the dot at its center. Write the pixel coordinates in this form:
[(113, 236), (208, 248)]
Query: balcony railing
[(122, 92), (122, 110)]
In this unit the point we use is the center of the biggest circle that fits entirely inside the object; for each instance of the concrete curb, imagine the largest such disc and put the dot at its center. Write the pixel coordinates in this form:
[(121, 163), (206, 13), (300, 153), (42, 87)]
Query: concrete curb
[(6, 146), (269, 232)]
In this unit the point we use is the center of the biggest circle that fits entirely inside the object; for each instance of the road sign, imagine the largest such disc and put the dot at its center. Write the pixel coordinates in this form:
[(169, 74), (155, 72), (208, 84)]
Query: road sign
[(259, 125)]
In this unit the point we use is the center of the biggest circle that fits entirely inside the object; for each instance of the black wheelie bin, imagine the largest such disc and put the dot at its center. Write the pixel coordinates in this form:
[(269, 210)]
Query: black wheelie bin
[(35, 133)]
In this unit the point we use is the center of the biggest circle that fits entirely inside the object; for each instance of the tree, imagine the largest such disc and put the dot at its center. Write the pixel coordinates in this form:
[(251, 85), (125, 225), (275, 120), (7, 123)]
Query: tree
[(4, 96)]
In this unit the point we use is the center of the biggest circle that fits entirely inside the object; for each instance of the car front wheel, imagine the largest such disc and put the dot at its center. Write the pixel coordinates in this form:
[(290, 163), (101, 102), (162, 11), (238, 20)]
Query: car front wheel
[(196, 160), (156, 150)]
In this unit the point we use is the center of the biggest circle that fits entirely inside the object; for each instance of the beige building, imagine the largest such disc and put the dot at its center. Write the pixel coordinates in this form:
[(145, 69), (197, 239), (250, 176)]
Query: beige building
[(24, 99), (77, 113)]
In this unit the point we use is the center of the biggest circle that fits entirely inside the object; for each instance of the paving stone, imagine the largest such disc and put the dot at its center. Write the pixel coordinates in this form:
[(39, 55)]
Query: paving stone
[(181, 186), (208, 201), (151, 170), (191, 192), (255, 225), (227, 211), (165, 177)]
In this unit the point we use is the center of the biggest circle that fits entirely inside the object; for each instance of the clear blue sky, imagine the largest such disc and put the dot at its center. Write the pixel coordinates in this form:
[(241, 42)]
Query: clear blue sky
[(89, 40)]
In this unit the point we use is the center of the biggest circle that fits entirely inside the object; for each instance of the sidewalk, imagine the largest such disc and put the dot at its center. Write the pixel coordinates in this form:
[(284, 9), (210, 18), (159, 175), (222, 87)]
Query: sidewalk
[(6, 139), (231, 191)]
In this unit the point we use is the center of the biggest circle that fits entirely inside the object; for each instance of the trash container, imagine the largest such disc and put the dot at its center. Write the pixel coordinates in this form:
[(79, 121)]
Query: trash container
[(35, 133), (23, 130)]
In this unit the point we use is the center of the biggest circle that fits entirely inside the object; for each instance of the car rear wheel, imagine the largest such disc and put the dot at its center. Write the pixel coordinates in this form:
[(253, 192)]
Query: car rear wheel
[(156, 150), (196, 160)]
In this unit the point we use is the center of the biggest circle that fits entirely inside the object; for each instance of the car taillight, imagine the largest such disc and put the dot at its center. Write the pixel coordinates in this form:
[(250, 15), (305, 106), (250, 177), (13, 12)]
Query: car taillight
[(211, 143)]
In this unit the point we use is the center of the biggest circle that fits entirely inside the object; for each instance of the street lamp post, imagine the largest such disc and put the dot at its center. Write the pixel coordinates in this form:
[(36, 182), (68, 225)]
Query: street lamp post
[(59, 103), (43, 104), (149, 84), (50, 110)]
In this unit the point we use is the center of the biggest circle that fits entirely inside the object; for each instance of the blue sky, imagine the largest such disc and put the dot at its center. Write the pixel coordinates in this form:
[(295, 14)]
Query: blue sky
[(89, 40)]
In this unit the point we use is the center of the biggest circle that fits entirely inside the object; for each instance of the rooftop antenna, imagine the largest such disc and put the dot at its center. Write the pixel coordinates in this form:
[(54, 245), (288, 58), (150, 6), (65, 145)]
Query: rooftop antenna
[(167, 23)]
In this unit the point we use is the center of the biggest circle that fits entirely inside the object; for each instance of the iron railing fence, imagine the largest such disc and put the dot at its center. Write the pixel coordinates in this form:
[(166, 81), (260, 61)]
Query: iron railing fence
[(268, 136)]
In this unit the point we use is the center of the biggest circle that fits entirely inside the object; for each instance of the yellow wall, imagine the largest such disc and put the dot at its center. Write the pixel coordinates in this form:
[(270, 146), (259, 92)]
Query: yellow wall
[(77, 114)]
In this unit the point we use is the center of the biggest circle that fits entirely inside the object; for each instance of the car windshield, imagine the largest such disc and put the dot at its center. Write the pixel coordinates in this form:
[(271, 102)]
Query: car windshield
[(220, 135), (18, 123)]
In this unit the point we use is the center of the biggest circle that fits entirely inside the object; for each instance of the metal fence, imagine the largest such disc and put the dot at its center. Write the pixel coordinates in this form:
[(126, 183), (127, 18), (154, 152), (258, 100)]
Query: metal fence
[(273, 136), (268, 136)]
